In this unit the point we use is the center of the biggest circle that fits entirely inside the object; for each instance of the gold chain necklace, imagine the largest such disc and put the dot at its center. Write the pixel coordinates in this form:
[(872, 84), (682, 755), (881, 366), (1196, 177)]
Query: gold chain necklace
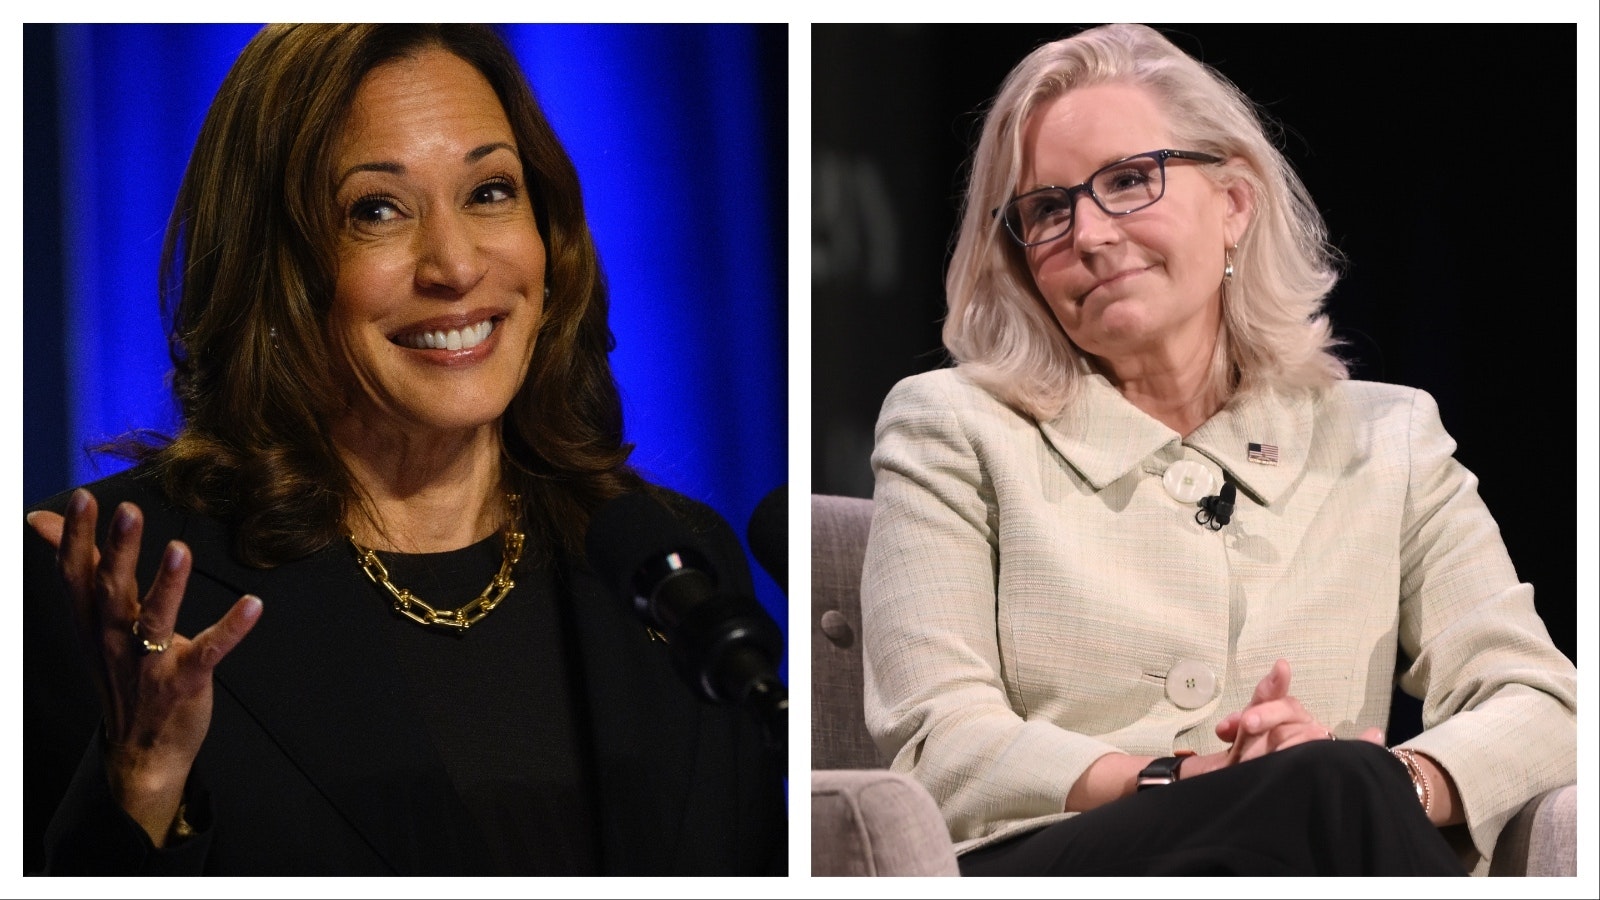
[(458, 620)]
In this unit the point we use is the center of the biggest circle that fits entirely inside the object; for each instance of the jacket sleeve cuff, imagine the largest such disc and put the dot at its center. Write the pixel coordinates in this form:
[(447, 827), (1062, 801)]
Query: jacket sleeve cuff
[(91, 834)]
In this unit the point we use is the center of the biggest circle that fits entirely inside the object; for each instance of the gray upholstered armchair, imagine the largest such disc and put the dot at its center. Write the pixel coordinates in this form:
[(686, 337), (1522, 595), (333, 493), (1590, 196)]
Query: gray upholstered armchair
[(866, 820)]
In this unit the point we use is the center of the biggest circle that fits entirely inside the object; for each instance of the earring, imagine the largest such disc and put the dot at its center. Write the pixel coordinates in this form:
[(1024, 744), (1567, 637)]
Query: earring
[(1227, 263), (272, 334), (547, 293)]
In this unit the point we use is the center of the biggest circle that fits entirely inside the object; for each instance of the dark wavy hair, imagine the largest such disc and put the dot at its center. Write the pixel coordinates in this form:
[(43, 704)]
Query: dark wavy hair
[(250, 252)]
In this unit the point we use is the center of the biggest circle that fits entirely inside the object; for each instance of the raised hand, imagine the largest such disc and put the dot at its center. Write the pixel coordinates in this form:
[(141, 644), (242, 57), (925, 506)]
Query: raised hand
[(155, 685)]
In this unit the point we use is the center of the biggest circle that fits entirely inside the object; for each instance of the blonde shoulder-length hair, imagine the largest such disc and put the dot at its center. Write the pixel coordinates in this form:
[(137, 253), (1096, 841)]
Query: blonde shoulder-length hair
[(1274, 333)]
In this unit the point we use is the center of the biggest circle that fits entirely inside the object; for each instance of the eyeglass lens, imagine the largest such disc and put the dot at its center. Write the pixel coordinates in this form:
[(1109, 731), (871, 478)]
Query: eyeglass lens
[(1121, 188)]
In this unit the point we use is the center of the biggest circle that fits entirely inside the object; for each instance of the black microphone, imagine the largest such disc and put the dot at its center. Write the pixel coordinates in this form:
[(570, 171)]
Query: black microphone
[(1217, 511), (769, 535), (723, 643)]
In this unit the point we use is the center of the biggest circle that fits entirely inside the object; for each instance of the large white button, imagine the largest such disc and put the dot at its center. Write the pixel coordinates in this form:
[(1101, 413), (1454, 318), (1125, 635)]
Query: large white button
[(1187, 481), (1190, 684)]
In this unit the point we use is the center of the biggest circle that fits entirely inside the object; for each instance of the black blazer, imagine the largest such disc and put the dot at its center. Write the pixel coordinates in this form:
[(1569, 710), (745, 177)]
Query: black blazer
[(291, 774)]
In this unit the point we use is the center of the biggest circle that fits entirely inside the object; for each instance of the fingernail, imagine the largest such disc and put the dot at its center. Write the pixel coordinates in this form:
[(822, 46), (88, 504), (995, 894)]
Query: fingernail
[(174, 557), (31, 516), (252, 605), (124, 522), (80, 501)]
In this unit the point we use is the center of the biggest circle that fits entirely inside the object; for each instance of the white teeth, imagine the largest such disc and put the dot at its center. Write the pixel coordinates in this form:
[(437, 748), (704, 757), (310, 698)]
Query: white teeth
[(454, 339), (474, 335)]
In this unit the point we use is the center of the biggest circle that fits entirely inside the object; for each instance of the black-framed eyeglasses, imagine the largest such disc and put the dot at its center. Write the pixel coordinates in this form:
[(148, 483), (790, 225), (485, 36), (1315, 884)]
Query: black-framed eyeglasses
[(1125, 186)]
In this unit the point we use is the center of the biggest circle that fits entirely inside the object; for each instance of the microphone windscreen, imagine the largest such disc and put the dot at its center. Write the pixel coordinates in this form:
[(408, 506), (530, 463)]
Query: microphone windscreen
[(1222, 510), (634, 530), (769, 535)]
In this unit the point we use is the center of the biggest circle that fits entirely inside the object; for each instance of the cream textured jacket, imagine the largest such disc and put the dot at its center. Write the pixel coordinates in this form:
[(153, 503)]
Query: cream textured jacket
[(1035, 595)]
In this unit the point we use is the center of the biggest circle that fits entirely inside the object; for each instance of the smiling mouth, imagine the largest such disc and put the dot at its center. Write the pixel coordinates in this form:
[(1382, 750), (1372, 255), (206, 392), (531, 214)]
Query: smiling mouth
[(1120, 276), (447, 339)]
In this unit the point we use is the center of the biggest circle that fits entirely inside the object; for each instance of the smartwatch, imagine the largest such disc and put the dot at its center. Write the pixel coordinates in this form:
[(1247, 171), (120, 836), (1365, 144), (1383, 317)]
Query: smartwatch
[(1160, 772)]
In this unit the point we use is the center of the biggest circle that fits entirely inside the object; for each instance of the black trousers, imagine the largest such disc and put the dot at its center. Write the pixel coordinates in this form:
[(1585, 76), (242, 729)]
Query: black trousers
[(1322, 808)]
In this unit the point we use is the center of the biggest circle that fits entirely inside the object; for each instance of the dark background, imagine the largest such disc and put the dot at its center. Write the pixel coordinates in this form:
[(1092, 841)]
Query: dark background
[(1463, 284)]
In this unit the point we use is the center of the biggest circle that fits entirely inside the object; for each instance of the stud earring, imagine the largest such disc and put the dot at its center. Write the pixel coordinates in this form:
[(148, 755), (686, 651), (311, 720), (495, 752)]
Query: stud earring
[(547, 293)]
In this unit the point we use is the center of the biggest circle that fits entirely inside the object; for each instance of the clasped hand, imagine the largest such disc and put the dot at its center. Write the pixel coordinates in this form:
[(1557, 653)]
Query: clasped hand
[(155, 686), (1273, 720)]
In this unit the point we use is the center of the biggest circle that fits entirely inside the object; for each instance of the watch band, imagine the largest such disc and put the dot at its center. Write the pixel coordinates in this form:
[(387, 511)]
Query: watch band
[(1160, 772)]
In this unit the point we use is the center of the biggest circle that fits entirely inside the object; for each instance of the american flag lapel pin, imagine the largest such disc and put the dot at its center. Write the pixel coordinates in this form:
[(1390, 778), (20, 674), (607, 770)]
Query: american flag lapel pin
[(1265, 454)]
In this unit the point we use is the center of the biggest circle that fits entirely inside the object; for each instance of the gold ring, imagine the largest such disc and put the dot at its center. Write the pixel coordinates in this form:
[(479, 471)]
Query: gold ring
[(146, 647)]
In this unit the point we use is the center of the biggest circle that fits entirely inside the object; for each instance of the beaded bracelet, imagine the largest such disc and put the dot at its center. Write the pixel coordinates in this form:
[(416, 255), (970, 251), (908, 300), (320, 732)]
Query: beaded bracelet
[(1419, 780)]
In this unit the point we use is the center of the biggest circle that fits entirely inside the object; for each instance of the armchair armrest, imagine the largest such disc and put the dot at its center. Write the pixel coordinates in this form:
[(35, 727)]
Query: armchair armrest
[(1542, 839), (876, 822)]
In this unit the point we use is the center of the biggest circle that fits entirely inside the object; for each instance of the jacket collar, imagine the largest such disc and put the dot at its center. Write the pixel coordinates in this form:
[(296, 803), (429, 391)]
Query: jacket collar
[(1104, 437)]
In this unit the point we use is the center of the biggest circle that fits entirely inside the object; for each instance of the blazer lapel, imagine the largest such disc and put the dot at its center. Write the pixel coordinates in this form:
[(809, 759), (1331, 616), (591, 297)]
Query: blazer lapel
[(644, 725), (325, 689), (1264, 442)]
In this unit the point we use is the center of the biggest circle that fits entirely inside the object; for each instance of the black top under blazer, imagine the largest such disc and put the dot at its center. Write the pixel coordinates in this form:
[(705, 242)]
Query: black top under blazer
[(290, 772)]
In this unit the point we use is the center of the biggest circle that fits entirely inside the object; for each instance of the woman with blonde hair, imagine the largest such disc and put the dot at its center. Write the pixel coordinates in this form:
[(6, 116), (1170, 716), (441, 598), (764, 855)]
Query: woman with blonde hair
[(1143, 562)]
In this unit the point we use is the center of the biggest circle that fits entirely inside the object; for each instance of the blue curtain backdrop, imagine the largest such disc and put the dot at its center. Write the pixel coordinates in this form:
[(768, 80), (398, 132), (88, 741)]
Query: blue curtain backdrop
[(678, 135)]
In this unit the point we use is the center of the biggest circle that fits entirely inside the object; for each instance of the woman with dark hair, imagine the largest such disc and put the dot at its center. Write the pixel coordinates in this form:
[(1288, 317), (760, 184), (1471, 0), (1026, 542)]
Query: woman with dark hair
[(340, 623)]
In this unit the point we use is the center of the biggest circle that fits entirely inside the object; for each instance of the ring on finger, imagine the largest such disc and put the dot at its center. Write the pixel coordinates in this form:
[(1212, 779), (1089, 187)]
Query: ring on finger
[(145, 646)]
